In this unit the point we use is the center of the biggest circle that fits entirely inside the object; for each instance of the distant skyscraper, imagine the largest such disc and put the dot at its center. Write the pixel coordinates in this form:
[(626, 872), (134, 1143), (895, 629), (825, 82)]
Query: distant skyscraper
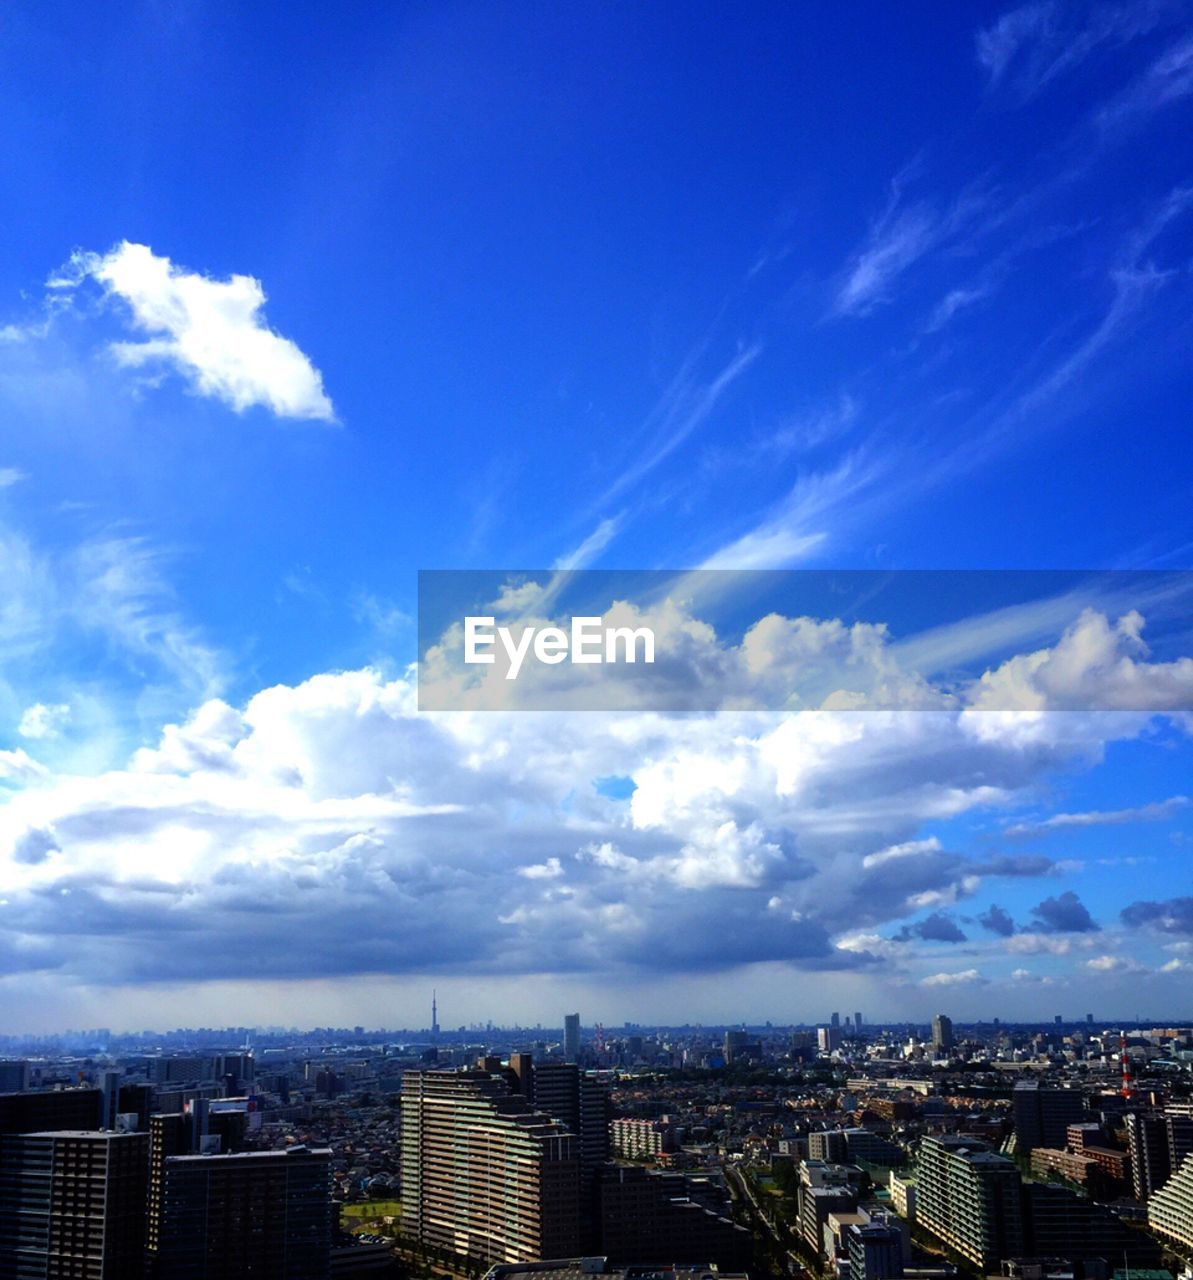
[(571, 1036), (942, 1032), (735, 1042), (828, 1039), (73, 1204), (835, 1020), (857, 1021)]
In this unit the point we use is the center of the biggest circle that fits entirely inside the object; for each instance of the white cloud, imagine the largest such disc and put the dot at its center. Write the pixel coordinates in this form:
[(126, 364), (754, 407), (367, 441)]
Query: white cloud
[(19, 767), (966, 978), (552, 869), (10, 476), (212, 332), (1155, 812), (41, 721)]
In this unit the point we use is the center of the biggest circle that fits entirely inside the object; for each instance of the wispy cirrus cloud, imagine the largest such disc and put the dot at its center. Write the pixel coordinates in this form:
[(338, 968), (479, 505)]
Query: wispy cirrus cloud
[(687, 403), (901, 236), (211, 332), (1029, 47), (1100, 817), (1167, 80)]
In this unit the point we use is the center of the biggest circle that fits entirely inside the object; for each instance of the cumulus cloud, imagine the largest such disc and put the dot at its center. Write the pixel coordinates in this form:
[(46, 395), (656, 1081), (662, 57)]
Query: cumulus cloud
[(938, 927), (333, 815), (1096, 663), (996, 920), (1065, 913), (42, 721), (1172, 916), (212, 332), (19, 767), (966, 978)]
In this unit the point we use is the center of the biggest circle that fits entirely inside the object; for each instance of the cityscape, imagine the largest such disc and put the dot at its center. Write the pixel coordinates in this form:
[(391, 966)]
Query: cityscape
[(850, 1150)]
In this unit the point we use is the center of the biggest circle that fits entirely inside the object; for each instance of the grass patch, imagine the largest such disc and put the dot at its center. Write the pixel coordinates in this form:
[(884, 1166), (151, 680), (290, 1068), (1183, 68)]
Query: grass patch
[(367, 1210)]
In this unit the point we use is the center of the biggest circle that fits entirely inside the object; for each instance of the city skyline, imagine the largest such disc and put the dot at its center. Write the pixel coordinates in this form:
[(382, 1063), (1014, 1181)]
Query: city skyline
[(297, 307)]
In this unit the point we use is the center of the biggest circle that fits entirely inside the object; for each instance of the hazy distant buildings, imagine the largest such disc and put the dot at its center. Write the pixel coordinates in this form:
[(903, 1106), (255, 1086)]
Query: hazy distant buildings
[(72, 1204), (828, 1039), (483, 1173)]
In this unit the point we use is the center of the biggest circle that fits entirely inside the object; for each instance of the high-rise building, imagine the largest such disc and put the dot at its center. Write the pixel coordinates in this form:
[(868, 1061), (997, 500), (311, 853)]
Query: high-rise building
[(828, 1145), (1147, 1142), (875, 1250), (648, 1217), (14, 1075), (942, 1032), (1158, 1143), (857, 1021), (828, 1039), (1059, 1223), (483, 1173), (971, 1199), (735, 1042), (1042, 1114), (109, 1083), (835, 1020), (571, 1037), (224, 1217), (44, 1110), (72, 1203), (581, 1102), (1170, 1210)]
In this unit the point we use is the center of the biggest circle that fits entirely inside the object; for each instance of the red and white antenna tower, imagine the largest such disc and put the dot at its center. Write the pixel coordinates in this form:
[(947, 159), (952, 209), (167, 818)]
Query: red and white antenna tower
[(1128, 1089), (598, 1035)]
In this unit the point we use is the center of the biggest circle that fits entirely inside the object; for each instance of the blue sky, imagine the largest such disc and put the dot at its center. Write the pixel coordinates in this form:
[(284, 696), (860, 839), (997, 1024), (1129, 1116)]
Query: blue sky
[(293, 305)]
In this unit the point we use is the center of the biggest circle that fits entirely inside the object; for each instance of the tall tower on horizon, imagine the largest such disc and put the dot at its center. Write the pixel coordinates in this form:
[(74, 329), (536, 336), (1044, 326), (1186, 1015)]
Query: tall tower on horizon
[(571, 1037), (434, 1015)]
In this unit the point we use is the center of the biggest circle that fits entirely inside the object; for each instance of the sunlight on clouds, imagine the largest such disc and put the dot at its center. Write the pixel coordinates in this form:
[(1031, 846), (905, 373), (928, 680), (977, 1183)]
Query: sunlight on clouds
[(210, 331)]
